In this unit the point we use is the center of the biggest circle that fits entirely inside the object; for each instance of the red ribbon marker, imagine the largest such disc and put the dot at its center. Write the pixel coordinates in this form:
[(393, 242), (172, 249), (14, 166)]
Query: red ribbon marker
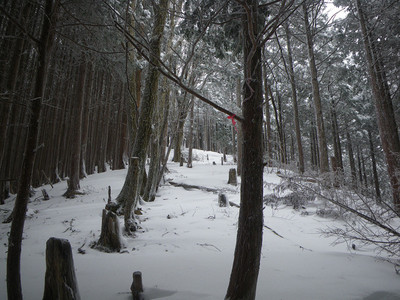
[(233, 121)]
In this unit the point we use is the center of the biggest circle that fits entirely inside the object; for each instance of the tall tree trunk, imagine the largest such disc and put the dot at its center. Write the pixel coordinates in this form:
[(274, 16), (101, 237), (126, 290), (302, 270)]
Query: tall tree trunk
[(323, 148), (336, 137), (118, 162), (14, 289), (190, 138), (268, 121), (279, 122), (131, 185), (360, 176), (374, 169), (74, 170), (246, 264), (239, 129), (294, 101), (85, 119), (351, 160), (383, 107)]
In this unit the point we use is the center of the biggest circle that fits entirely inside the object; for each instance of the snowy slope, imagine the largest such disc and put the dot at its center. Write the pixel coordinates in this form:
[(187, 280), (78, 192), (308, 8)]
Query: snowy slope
[(186, 243)]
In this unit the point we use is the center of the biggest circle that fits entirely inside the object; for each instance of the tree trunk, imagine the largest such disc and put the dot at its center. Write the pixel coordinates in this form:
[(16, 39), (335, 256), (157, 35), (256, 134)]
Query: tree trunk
[(279, 126), (60, 279), (336, 137), (351, 160), (14, 288), (239, 129), (190, 138), (6, 108), (383, 108), (85, 120), (294, 102), (110, 240), (131, 185), (360, 176), (246, 264), (374, 169), (323, 148), (268, 122), (74, 170)]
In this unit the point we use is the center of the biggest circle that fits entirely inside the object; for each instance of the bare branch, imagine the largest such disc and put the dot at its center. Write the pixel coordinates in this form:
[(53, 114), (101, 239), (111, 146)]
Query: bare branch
[(167, 72)]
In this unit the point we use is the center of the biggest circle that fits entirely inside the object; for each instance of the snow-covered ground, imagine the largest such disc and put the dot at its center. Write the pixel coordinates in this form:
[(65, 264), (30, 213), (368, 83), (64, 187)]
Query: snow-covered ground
[(186, 244)]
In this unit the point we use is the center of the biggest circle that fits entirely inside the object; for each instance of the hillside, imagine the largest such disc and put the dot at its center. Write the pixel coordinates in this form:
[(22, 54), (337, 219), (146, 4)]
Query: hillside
[(186, 242)]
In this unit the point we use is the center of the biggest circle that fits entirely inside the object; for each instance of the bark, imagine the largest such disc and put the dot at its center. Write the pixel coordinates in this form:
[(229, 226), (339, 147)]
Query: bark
[(6, 106), (374, 169), (110, 240), (239, 129), (364, 172), (183, 110), (178, 140), (336, 137), (163, 140), (294, 102), (85, 120), (360, 176), (246, 264), (155, 146), (351, 160), (14, 289), (118, 161), (314, 147), (268, 122), (104, 127), (60, 278), (74, 170), (232, 178), (131, 185), (279, 126), (383, 107), (190, 138), (322, 144), (11, 53)]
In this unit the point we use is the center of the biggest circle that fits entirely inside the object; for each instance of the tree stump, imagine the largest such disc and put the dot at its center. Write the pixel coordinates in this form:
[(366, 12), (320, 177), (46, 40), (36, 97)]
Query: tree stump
[(222, 201), (137, 285), (45, 195), (222, 161), (109, 240), (232, 177), (60, 280)]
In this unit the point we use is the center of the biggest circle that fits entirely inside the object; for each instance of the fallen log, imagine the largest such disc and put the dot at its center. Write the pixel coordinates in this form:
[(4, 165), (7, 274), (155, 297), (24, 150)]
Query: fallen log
[(203, 188)]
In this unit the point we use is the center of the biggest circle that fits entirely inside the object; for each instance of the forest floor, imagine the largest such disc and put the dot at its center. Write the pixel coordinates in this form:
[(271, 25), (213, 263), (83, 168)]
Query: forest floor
[(185, 246)]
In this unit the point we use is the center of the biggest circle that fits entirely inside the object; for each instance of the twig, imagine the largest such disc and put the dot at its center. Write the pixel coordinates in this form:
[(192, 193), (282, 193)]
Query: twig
[(273, 231), (209, 245)]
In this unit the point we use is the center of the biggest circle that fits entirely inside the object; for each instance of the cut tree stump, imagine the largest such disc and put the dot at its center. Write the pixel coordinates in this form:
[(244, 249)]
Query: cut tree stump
[(137, 285), (222, 201), (110, 240), (45, 195), (60, 280), (232, 177)]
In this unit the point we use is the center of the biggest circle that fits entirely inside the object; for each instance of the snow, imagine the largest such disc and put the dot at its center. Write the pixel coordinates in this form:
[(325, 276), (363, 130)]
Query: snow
[(186, 243)]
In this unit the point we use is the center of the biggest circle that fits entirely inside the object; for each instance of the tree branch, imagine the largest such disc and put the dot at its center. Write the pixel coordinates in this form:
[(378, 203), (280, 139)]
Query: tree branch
[(168, 73)]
